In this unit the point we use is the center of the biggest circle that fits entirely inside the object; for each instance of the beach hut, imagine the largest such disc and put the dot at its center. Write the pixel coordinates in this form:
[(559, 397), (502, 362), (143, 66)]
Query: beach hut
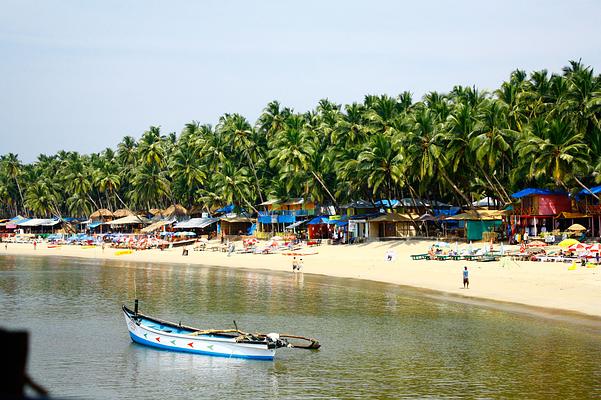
[(392, 225), (101, 214), (479, 223), (175, 211), (536, 210), (122, 212), (236, 225)]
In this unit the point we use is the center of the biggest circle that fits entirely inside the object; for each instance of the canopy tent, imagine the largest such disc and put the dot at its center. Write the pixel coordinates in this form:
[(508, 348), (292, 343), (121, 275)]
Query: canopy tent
[(269, 202), (39, 222), (129, 220), (237, 219), (102, 213), (195, 223), (295, 225), (427, 217), (486, 202), (157, 225), (534, 191), (360, 204)]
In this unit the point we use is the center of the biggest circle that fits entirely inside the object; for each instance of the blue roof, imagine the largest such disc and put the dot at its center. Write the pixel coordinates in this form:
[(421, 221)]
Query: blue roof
[(533, 191), (227, 209), (594, 190), (319, 220), (94, 225), (387, 203)]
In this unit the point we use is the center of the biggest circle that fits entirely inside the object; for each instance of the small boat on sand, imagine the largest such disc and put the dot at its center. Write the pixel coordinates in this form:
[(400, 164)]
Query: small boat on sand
[(169, 336)]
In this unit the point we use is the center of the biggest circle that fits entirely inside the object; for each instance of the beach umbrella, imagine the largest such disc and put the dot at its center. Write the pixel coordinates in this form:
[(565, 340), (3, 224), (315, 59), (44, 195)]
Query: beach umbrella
[(103, 212), (576, 228), (568, 242), (577, 246)]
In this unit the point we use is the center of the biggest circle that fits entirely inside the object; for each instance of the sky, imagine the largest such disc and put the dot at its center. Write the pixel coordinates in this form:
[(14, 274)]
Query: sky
[(81, 75)]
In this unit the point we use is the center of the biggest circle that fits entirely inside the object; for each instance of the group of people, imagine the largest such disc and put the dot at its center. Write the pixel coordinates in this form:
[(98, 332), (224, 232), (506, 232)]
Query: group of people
[(297, 264)]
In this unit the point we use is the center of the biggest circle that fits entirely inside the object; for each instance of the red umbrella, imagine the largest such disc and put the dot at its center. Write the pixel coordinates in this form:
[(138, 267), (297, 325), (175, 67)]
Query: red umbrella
[(577, 246), (595, 248)]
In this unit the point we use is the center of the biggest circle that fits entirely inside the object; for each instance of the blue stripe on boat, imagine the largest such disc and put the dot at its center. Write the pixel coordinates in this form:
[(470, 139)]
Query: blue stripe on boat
[(206, 353)]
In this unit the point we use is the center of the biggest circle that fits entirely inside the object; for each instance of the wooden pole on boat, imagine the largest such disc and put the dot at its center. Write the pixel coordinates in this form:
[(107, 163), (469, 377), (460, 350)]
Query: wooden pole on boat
[(136, 306)]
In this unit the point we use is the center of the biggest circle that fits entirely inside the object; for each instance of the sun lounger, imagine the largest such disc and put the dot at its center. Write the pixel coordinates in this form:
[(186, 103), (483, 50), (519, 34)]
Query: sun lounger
[(420, 257)]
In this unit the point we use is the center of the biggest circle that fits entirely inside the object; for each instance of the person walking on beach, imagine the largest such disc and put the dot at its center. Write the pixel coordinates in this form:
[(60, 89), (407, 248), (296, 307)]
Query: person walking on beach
[(300, 264), (35, 244), (294, 264), (466, 280)]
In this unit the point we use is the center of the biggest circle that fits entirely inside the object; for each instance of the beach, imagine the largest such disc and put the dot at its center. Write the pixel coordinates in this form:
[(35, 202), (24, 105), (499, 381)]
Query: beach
[(545, 285)]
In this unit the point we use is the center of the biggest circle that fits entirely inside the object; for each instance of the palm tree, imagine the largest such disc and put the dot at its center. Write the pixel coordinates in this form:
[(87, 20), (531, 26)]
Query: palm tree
[(554, 147), (12, 167)]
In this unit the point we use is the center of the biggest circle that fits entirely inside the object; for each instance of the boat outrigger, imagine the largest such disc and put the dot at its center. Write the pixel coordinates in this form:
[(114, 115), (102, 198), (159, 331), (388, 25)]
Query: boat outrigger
[(166, 335)]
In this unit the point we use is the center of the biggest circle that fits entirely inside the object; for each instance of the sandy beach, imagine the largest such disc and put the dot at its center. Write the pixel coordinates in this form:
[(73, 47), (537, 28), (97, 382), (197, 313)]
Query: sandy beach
[(546, 285)]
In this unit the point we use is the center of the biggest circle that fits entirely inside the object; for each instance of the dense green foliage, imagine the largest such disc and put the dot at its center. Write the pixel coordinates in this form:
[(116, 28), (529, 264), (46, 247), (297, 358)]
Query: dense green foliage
[(540, 130)]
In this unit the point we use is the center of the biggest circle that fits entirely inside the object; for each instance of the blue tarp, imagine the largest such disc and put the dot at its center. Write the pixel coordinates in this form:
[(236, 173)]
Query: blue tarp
[(533, 191), (227, 209), (94, 225), (266, 219), (594, 190), (341, 223), (450, 212), (286, 219), (319, 220), (387, 203)]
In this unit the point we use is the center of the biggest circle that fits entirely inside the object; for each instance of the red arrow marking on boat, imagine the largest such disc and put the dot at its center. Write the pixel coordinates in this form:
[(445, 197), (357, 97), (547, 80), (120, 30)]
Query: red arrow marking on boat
[(158, 339), (191, 344)]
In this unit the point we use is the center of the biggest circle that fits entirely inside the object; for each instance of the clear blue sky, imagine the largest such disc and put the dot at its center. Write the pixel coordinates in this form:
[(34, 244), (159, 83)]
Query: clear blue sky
[(80, 75)]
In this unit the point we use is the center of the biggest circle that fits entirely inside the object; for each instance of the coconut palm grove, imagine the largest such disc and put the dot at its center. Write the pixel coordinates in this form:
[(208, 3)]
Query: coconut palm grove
[(537, 129)]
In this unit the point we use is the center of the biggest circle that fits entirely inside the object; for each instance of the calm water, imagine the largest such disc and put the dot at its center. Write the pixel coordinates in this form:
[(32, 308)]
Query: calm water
[(379, 341)]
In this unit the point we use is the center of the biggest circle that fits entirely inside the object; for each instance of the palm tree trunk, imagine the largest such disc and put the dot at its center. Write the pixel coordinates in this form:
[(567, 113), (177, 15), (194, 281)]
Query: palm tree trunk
[(495, 188), (326, 189), (252, 166), (586, 188), (502, 188), (459, 192), (20, 195)]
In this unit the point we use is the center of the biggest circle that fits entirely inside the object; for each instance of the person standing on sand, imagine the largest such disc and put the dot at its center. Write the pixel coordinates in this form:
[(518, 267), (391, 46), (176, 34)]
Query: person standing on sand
[(466, 280), (300, 264), (294, 264), (35, 244)]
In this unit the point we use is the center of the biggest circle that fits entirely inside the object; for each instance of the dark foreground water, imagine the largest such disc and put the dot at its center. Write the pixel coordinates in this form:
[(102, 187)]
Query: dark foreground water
[(379, 341)]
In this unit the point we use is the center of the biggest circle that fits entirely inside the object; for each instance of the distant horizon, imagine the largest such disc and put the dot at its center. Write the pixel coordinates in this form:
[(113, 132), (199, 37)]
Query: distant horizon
[(81, 76)]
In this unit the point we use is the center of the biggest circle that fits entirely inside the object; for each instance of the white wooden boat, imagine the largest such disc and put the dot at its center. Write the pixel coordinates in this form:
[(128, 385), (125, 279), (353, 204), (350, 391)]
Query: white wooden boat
[(166, 335)]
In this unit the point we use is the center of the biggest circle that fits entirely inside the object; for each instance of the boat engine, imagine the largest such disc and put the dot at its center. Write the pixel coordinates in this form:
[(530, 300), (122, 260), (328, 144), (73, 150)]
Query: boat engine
[(275, 338)]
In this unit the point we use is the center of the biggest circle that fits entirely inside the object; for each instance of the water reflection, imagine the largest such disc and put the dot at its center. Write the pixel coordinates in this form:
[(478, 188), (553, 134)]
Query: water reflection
[(378, 340)]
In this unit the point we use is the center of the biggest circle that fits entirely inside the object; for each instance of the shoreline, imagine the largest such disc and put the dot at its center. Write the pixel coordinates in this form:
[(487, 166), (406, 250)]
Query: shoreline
[(548, 290)]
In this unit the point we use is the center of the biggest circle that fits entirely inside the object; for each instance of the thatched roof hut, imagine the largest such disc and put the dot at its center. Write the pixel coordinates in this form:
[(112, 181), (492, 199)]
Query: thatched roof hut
[(122, 213), (102, 213), (154, 211), (176, 210)]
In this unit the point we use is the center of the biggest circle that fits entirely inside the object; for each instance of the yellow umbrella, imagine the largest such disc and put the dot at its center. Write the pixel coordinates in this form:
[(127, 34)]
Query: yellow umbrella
[(576, 227), (568, 242)]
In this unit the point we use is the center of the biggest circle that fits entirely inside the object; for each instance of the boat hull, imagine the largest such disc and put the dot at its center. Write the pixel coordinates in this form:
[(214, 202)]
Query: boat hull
[(154, 334)]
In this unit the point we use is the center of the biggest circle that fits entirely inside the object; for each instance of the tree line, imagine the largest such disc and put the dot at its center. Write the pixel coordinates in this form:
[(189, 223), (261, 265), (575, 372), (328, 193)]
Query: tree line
[(538, 130)]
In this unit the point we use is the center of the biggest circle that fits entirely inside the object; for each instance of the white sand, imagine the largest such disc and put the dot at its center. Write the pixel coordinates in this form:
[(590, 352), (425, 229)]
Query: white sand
[(549, 285)]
